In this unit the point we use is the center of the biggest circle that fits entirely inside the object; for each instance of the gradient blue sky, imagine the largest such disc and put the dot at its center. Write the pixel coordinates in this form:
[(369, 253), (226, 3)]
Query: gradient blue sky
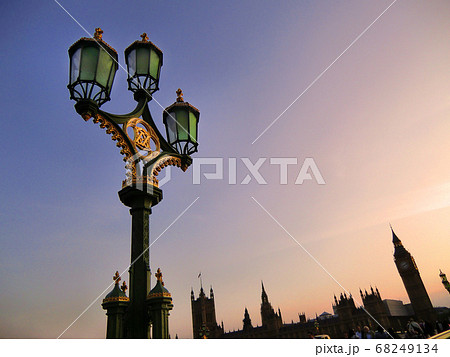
[(376, 123)]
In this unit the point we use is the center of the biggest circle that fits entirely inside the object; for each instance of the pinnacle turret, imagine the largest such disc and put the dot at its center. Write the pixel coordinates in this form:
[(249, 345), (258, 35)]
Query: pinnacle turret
[(247, 321), (264, 297)]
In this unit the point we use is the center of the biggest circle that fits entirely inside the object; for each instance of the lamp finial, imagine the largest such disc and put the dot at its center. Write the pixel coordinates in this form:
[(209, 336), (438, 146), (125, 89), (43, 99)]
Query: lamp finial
[(124, 286), (116, 278), (180, 95), (98, 33), (144, 37), (159, 276)]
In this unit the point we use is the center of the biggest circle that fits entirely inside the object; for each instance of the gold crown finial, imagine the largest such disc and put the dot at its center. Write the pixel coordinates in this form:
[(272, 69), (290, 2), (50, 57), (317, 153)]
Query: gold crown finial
[(180, 95), (144, 37), (116, 278), (158, 275), (124, 286), (98, 33)]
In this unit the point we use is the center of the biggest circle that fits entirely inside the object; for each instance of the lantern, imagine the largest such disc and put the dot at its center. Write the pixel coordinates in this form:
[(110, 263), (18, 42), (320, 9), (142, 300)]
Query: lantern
[(144, 61), (93, 65), (181, 121)]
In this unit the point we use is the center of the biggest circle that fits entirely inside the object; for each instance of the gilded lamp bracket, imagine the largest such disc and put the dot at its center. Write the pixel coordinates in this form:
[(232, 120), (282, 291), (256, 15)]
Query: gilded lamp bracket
[(140, 142), (93, 66)]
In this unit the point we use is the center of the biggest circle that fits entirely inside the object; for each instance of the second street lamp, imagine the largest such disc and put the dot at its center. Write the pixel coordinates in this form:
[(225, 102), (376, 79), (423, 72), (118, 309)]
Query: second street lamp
[(93, 64), (181, 121), (144, 61)]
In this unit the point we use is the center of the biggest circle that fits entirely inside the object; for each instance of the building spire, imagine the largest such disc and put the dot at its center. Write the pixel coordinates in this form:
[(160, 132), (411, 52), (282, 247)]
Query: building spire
[(247, 321), (399, 249), (264, 297), (201, 283), (395, 239)]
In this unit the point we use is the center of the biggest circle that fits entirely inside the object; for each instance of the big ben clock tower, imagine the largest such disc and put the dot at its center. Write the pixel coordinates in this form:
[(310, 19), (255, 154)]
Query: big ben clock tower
[(410, 275)]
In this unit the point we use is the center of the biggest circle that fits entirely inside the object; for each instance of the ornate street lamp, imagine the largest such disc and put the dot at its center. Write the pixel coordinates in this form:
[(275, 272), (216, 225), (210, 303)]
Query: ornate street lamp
[(204, 332), (317, 325), (144, 61), (93, 64), (181, 121)]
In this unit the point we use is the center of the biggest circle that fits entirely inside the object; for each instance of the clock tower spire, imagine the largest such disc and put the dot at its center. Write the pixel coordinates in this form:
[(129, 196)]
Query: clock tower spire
[(409, 272)]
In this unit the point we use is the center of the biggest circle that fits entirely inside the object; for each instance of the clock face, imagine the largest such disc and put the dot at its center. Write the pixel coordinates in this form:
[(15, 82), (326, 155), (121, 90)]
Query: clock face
[(404, 265)]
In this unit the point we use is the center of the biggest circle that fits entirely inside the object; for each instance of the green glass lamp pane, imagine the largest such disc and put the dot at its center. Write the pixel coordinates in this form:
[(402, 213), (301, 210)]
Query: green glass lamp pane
[(105, 65), (89, 60), (154, 64), (142, 57), (131, 60), (111, 77), (171, 128), (75, 66), (193, 127), (183, 125)]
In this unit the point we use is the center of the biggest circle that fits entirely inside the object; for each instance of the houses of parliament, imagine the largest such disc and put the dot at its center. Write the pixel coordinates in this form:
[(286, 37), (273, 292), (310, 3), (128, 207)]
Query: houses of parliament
[(388, 313)]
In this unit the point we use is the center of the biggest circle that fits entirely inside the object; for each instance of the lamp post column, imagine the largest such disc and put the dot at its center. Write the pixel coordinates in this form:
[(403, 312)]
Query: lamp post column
[(140, 200)]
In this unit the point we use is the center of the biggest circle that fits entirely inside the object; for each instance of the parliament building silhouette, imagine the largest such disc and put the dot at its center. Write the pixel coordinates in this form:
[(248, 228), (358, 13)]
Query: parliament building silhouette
[(374, 312)]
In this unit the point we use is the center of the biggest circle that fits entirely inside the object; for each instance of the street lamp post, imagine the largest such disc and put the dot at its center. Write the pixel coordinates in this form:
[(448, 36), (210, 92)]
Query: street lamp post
[(317, 325), (93, 64)]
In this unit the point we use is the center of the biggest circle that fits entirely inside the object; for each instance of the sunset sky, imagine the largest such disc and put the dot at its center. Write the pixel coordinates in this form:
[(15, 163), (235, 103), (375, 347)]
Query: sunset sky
[(376, 124)]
